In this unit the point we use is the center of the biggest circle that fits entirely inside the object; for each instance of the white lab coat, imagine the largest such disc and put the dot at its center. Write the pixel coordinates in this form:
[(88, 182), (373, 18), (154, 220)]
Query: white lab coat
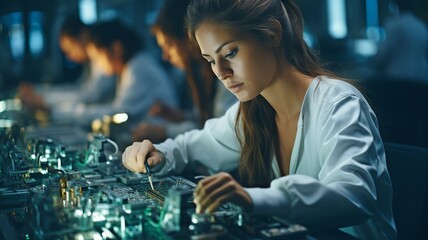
[(338, 174)]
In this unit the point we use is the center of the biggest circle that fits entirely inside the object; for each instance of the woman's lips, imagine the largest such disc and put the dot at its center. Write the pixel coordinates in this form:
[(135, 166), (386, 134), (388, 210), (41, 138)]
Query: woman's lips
[(235, 87)]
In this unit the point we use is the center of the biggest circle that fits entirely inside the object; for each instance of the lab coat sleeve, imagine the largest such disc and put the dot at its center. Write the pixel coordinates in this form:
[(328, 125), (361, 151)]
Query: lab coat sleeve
[(344, 193), (215, 146)]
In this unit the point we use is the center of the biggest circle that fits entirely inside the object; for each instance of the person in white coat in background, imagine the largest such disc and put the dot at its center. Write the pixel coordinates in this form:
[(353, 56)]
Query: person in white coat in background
[(92, 86), (116, 49)]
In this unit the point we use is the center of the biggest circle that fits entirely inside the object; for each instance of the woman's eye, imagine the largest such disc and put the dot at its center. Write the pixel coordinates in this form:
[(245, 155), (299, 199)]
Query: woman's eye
[(212, 62), (232, 53)]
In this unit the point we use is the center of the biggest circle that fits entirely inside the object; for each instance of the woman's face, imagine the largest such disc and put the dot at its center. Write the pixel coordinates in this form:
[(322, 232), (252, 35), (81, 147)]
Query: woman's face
[(102, 59), (73, 49), (170, 50), (244, 65)]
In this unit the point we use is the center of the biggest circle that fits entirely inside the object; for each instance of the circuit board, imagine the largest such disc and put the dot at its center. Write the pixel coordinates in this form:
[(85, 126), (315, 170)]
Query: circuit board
[(50, 190)]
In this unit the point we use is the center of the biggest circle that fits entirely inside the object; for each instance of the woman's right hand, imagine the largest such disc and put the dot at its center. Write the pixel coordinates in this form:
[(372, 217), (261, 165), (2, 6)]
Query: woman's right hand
[(135, 155)]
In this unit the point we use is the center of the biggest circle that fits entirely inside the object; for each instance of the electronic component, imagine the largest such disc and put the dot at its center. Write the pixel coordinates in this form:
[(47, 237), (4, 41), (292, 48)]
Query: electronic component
[(284, 232), (174, 215)]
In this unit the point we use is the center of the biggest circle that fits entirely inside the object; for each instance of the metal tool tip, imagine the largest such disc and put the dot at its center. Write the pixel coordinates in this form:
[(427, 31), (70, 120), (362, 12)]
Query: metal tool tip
[(151, 182)]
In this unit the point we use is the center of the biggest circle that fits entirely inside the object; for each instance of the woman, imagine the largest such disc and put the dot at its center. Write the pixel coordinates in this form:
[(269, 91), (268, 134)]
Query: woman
[(208, 99), (306, 144), (91, 87), (117, 50)]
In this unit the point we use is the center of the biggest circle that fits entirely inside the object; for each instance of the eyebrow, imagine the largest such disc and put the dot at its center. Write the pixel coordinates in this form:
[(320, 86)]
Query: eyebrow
[(219, 48)]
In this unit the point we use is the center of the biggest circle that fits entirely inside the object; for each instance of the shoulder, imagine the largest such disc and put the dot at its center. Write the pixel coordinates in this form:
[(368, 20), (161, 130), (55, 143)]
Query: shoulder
[(326, 93), (331, 89)]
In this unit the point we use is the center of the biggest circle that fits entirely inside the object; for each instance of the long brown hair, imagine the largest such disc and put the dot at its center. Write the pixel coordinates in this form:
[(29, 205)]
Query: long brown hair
[(255, 124), (199, 77)]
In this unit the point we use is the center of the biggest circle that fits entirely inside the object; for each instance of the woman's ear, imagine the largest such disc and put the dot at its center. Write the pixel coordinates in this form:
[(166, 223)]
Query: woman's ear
[(276, 37)]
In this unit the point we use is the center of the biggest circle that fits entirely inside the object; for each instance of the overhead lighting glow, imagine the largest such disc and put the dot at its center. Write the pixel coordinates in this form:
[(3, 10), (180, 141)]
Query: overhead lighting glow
[(88, 11), (336, 11)]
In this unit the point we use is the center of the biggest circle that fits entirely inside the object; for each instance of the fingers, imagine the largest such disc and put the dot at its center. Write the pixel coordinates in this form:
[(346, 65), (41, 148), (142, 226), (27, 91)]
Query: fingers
[(213, 191), (212, 207), (153, 158), (218, 196), (135, 155), (208, 184), (129, 159)]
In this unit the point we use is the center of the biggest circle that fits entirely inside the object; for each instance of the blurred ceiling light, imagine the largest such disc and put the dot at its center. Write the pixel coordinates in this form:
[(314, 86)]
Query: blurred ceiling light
[(365, 47), (36, 33), (336, 10), (372, 19), (88, 11), (372, 16), (17, 40)]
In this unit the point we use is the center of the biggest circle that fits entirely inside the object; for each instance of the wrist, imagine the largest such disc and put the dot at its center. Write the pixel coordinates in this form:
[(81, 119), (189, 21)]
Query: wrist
[(248, 202)]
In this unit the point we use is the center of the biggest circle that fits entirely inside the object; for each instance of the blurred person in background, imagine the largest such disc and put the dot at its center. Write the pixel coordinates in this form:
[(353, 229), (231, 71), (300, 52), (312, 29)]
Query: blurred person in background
[(404, 53), (208, 97), (92, 86), (116, 49)]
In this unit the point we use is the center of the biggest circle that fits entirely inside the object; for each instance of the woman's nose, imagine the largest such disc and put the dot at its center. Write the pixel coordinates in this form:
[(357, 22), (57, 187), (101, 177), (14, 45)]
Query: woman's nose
[(223, 71)]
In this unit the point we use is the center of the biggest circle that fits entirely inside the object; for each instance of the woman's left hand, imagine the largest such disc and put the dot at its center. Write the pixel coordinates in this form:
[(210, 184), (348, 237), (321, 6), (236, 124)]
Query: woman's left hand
[(217, 189)]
